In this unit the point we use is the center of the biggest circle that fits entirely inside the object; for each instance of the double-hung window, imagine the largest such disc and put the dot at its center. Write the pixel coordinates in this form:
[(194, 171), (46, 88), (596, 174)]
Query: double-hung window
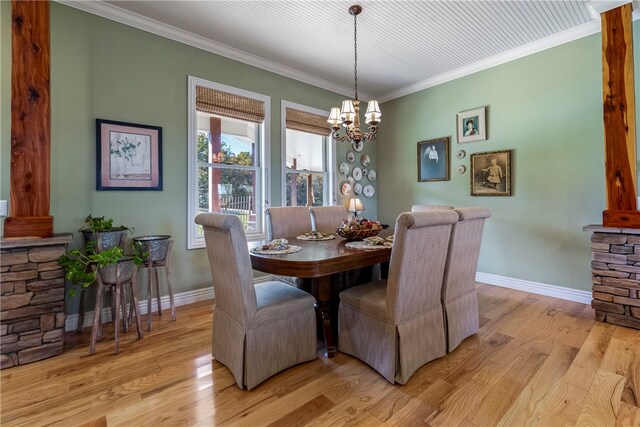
[(308, 156), (228, 154)]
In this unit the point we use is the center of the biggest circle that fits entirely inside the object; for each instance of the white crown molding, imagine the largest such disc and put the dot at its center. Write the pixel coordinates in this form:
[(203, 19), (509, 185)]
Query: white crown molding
[(114, 13), (596, 7), (561, 292), (183, 298)]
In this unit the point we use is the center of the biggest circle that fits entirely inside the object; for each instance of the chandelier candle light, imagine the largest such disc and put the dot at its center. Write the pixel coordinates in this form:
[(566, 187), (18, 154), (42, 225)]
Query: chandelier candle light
[(349, 116)]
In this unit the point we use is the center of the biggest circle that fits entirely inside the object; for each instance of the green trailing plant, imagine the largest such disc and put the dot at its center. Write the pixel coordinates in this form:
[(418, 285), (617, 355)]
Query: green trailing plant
[(81, 266), (102, 224)]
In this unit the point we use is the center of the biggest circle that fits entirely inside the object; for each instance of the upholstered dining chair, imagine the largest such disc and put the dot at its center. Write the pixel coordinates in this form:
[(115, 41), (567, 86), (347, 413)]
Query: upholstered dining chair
[(258, 330), (396, 325), (326, 219), (426, 208), (459, 297), (287, 221)]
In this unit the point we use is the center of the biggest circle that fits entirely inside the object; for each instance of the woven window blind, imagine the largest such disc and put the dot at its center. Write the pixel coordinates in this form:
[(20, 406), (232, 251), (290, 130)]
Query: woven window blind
[(307, 122), (229, 105)]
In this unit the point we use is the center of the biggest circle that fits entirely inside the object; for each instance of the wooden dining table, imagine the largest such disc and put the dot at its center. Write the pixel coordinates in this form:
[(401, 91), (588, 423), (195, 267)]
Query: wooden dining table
[(320, 261)]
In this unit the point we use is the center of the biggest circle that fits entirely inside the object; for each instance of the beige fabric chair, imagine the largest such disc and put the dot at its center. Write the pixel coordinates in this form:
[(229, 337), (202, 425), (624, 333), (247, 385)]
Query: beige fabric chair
[(427, 208), (459, 298), (396, 325), (326, 219), (258, 330), (287, 221)]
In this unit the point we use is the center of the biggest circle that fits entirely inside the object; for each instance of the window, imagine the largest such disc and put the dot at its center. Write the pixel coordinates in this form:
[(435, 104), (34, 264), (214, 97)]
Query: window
[(308, 156), (228, 154)]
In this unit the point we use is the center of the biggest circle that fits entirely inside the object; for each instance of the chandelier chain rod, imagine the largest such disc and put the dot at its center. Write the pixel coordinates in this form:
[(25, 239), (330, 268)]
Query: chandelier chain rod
[(355, 49)]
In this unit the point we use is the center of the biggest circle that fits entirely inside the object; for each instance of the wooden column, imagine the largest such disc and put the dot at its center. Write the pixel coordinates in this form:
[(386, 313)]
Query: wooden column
[(619, 118), (30, 121)]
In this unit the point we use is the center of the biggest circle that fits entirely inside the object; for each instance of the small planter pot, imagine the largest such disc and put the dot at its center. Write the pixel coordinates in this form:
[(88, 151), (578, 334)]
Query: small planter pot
[(108, 272), (109, 238), (157, 245)]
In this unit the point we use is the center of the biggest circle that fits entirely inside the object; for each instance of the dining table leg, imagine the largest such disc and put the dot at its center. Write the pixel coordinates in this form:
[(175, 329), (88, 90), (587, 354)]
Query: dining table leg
[(321, 290)]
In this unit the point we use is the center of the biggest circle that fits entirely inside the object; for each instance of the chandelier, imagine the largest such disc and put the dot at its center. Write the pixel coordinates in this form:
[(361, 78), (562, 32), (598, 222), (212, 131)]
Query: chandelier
[(349, 115)]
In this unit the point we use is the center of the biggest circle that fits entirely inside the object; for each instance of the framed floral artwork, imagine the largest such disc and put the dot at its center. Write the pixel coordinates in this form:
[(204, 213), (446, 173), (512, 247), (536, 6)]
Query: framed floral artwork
[(129, 156)]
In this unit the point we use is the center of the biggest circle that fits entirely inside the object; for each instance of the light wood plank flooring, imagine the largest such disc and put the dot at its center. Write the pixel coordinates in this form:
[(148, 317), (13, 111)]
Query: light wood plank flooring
[(536, 361)]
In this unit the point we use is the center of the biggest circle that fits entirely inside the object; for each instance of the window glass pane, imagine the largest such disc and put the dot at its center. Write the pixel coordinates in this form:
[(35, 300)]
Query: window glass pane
[(305, 151), (297, 185), (231, 141), (228, 191)]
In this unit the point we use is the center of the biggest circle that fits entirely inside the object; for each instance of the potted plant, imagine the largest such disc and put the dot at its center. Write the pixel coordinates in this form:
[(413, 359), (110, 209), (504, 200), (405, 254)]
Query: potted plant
[(102, 251)]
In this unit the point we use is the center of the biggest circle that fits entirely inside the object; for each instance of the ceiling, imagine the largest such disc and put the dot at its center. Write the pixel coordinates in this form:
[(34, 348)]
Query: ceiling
[(403, 46)]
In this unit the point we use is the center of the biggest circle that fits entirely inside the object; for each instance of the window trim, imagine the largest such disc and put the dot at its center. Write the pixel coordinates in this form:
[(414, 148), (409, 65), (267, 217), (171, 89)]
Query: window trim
[(331, 152), (264, 157)]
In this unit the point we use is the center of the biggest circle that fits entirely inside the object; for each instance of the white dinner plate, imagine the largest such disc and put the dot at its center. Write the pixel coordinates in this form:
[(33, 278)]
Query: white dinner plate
[(368, 190), (344, 168), (357, 173)]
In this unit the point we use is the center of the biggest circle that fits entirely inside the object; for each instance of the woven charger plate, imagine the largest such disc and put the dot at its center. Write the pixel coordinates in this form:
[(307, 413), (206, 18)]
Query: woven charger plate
[(316, 238), (290, 250), (366, 246)]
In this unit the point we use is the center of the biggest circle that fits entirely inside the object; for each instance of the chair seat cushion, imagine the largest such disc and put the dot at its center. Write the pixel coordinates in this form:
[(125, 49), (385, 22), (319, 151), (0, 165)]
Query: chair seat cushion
[(369, 298), (275, 300)]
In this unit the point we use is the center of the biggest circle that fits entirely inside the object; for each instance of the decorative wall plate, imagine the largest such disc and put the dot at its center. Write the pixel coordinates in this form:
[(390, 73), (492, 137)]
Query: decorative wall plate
[(345, 189), (365, 160), (368, 190), (365, 171), (357, 173), (358, 146), (357, 189), (460, 154), (351, 156), (351, 181), (344, 168), (371, 175), (461, 169)]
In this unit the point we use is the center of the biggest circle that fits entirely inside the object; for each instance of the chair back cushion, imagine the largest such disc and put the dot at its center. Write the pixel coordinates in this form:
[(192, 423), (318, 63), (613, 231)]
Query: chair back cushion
[(464, 250), (416, 269), (326, 219), (427, 208), (287, 221), (230, 265)]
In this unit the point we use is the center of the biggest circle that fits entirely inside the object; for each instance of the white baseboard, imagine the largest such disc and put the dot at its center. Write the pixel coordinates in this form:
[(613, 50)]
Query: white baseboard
[(555, 291), (183, 298)]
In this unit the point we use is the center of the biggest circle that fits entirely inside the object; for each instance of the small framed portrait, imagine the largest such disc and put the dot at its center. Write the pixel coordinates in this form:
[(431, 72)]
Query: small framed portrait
[(472, 125), (129, 156), (491, 173), (433, 160)]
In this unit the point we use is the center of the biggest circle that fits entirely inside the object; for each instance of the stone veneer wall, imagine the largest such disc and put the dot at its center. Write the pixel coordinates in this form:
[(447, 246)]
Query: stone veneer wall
[(32, 296), (615, 269)]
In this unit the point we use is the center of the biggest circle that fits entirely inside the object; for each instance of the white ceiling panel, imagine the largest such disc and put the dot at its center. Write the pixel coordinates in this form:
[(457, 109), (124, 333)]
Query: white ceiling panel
[(401, 44)]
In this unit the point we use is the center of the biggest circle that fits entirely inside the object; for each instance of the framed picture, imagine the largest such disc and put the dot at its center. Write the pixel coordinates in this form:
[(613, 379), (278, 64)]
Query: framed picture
[(491, 173), (129, 156), (433, 160), (472, 125)]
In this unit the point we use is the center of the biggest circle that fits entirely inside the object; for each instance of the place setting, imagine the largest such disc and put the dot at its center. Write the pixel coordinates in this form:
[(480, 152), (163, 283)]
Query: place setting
[(276, 247), (316, 236)]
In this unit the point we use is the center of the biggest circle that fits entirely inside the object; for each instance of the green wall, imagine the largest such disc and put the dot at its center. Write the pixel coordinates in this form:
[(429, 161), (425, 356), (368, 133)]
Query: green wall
[(102, 69), (545, 107)]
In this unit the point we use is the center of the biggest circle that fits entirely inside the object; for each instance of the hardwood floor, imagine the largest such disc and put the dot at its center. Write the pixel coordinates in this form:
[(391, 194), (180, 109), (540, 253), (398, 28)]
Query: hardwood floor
[(536, 361)]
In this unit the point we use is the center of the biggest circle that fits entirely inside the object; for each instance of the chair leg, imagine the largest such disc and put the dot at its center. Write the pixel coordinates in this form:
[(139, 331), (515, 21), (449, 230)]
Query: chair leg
[(158, 294), (95, 331), (170, 286)]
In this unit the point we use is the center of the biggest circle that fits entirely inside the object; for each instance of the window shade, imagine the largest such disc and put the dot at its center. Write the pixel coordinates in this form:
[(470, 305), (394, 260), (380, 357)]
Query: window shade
[(307, 122), (229, 105)]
